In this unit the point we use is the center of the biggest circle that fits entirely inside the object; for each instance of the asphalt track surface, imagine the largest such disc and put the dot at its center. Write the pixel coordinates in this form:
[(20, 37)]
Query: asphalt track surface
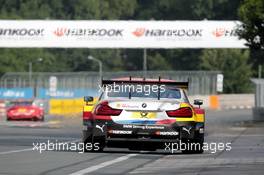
[(246, 156)]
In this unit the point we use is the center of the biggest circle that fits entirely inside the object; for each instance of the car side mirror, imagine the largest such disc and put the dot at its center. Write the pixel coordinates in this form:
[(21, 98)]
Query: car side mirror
[(198, 102), (88, 99)]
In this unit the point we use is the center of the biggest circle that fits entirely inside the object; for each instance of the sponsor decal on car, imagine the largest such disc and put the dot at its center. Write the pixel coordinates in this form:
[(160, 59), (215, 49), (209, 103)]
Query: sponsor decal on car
[(129, 106), (163, 133), (188, 130), (101, 128), (143, 126), (147, 115), (119, 132)]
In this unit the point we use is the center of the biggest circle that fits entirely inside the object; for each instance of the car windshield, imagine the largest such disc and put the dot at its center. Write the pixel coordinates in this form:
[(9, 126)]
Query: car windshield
[(167, 92)]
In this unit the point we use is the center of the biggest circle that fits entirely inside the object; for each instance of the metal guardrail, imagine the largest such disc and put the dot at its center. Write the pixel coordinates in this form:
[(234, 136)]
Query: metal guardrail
[(200, 82)]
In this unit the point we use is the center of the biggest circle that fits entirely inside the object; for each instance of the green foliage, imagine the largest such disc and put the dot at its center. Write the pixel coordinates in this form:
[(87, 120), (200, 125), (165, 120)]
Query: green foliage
[(187, 10), (67, 9), (156, 61), (234, 65), (17, 60), (251, 13)]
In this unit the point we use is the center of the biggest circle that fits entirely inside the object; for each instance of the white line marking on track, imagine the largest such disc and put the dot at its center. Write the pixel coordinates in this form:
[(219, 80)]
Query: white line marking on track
[(16, 151), (102, 165), (29, 149)]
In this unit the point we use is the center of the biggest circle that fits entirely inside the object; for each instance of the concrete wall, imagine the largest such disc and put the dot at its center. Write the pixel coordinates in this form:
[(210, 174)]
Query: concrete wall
[(226, 101), (234, 101)]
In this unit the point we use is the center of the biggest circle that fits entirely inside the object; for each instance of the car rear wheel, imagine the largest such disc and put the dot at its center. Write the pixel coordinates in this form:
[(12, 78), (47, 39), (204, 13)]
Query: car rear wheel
[(98, 144), (193, 146), (94, 144)]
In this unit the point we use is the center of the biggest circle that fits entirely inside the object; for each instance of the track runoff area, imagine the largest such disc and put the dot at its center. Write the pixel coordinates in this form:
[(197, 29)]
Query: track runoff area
[(233, 145)]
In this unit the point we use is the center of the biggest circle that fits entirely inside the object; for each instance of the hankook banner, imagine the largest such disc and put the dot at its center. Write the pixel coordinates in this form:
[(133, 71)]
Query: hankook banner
[(119, 34)]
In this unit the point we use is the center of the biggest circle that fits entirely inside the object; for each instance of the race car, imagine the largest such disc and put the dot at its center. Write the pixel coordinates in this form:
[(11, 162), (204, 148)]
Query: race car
[(24, 110), (127, 115)]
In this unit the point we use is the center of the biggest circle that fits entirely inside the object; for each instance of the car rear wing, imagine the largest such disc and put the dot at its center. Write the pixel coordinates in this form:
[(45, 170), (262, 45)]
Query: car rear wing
[(159, 81), (144, 81)]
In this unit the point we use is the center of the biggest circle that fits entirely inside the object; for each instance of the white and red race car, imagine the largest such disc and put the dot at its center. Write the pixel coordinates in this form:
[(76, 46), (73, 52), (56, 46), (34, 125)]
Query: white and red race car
[(129, 116), (24, 110)]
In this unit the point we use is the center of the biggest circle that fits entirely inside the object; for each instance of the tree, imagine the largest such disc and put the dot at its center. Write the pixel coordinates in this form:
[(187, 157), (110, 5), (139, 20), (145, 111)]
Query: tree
[(187, 10), (234, 65), (16, 60), (215, 9), (251, 13)]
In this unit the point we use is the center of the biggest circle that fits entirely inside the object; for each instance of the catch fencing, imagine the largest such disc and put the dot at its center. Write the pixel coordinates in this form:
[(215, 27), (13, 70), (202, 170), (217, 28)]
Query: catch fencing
[(200, 82)]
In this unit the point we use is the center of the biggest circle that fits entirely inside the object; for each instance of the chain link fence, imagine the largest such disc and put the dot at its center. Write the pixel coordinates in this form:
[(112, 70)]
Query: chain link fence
[(200, 82)]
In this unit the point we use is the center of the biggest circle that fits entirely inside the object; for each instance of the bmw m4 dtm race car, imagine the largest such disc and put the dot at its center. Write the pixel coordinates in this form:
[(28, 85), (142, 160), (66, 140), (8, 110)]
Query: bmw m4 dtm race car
[(143, 114)]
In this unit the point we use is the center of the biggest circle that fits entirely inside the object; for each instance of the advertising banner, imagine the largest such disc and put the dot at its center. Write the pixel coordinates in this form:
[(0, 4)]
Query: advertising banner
[(119, 34), (16, 93), (66, 93)]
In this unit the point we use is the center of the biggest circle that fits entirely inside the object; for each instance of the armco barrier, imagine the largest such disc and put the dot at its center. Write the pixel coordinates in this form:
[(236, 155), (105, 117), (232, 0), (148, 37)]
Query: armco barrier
[(66, 107), (226, 101), (71, 107), (236, 101), (65, 93)]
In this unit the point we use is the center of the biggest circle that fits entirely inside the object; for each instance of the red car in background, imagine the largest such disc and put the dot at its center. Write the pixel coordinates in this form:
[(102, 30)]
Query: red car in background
[(24, 110)]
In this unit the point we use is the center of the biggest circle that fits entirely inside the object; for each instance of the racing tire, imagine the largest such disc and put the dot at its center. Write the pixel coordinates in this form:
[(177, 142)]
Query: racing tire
[(96, 144), (87, 141), (195, 146)]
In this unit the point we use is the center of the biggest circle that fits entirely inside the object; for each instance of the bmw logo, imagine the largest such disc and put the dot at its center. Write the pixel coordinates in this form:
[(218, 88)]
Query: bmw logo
[(144, 105)]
